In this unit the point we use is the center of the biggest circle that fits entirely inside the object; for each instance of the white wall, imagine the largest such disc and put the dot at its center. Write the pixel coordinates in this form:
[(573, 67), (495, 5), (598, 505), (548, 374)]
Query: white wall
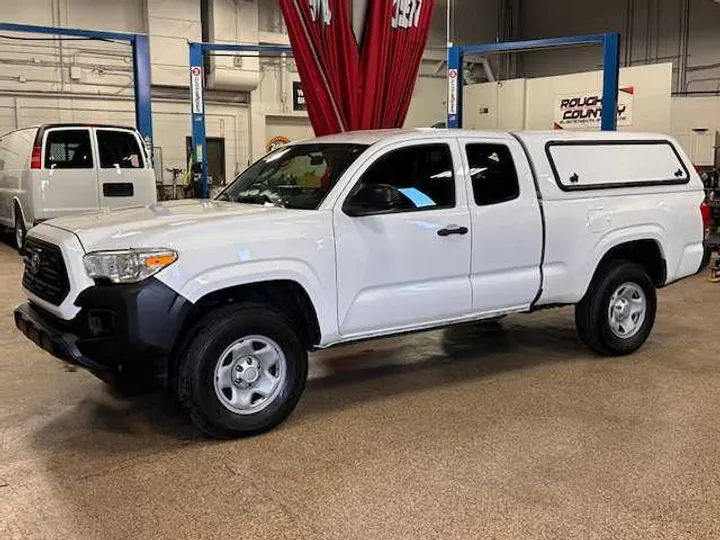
[(171, 24), (529, 103), (697, 112), (495, 105), (429, 103), (696, 123)]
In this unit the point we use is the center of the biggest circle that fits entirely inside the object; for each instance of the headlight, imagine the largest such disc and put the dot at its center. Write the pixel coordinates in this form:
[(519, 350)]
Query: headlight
[(129, 266)]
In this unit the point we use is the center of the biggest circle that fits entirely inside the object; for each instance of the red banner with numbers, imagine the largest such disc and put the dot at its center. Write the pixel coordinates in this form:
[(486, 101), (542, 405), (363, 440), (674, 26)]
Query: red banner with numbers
[(327, 58), (394, 40), (349, 86)]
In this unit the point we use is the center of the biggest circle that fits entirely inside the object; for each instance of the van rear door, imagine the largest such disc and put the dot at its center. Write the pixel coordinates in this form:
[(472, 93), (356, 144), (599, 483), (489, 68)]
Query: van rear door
[(124, 175), (66, 183)]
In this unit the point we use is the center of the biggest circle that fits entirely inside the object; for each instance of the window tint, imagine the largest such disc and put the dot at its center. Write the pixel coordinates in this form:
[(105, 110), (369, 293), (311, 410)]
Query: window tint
[(494, 179), (68, 149), (119, 148), (413, 178)]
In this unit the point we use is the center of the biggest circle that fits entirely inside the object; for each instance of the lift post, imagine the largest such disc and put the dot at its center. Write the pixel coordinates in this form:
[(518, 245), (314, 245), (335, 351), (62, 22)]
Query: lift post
[(197, 102), (611, 70), (141, 66)]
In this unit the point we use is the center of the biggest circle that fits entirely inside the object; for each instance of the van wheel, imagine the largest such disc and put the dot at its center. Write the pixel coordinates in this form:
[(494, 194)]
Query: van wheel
[(618, 312), (243, 371), (20, 232)]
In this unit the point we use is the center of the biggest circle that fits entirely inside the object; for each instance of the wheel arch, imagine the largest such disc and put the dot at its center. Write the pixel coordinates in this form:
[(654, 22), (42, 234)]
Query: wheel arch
[(17, 205), (647, 252), (285, 296)]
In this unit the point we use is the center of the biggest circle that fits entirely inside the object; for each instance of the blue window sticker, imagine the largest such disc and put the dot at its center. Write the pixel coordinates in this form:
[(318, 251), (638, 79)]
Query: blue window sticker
[(418, 198)]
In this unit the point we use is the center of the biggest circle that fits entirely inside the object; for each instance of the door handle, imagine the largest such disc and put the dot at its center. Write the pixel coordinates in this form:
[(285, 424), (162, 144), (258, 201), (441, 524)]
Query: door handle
[(452, 229)]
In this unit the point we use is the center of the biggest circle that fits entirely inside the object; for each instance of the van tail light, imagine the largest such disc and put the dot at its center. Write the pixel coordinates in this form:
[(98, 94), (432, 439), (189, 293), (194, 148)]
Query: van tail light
[(36, 158), (706, 214)]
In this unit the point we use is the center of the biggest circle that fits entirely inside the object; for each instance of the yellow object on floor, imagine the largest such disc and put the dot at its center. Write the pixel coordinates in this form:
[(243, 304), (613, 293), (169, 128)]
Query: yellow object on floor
[(715, 272)]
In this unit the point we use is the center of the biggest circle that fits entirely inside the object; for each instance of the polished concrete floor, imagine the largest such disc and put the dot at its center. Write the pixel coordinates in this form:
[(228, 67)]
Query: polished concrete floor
[(513, 431)]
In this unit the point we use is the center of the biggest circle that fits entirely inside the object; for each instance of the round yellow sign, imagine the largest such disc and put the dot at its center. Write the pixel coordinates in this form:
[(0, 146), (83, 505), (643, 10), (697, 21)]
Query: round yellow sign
[(276, 142)]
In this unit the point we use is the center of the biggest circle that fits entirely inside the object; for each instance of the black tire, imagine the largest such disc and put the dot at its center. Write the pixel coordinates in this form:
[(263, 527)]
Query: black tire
[(213, 335), (19, 232), (591, 314)]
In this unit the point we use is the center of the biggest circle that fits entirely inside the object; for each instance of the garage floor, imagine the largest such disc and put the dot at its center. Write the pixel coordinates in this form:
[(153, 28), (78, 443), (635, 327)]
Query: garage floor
[(506, 432)]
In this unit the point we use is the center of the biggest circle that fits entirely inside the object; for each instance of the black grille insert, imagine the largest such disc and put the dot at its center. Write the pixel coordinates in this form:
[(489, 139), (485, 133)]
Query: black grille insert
[(45, 274)]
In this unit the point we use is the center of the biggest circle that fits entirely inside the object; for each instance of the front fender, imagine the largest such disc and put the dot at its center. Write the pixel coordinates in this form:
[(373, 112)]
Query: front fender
[(245, 273)]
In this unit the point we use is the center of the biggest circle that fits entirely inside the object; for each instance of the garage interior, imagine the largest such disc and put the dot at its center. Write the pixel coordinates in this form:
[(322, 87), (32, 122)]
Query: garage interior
[(509, 429)]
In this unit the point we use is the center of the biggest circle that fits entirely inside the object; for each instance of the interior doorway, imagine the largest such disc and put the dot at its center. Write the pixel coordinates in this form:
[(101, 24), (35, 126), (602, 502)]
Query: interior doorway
[(215, 159)]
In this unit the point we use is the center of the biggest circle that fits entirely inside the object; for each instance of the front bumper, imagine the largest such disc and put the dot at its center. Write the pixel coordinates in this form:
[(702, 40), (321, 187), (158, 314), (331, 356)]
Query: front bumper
[(118, 327), (47, 333)]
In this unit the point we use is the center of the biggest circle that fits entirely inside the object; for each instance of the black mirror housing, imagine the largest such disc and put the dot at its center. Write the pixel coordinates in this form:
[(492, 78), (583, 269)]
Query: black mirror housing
[(372, 199)]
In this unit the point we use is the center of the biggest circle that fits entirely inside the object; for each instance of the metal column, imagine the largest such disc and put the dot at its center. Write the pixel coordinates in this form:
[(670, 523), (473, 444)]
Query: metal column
[(455, 87), (611, 70), (197, 107), (611, 78), (143, 87)]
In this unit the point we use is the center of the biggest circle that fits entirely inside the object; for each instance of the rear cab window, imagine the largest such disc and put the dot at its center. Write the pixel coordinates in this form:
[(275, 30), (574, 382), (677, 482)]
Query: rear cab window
[(68, 149), (606, 164), (119, 149), (492, 172)]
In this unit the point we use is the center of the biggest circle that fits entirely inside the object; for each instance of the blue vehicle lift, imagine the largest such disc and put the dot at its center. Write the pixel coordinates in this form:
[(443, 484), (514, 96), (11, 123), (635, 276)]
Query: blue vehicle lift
[(197, 84), (141, 65), (611, 70)]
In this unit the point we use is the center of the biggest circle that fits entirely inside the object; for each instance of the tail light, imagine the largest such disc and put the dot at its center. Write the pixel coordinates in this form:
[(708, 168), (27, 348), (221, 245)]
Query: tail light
[(706, 213), (36, 158)]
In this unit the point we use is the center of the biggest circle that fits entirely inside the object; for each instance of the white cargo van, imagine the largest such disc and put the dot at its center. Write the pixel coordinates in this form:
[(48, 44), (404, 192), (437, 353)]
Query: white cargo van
[(53, 170)]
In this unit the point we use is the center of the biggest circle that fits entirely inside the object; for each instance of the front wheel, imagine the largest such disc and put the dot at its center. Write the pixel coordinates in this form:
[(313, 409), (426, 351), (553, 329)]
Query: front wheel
[(243, 372), (618, 312)]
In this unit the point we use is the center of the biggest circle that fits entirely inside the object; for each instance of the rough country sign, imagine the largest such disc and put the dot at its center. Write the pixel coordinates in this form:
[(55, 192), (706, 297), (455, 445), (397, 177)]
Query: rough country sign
[(583, 110)]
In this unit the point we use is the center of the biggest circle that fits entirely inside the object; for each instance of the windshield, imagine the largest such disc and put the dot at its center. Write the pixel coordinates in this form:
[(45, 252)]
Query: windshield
[(297, 177)]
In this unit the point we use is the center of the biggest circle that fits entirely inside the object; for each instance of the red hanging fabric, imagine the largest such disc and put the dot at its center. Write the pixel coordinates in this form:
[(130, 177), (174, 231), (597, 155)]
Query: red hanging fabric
[(349, 87), (395, 35), (327, 57)]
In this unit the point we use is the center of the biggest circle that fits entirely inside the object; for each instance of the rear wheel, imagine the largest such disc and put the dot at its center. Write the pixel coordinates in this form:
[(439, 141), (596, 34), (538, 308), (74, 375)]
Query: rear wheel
[(19, 231), (243, 372), (618, 312)]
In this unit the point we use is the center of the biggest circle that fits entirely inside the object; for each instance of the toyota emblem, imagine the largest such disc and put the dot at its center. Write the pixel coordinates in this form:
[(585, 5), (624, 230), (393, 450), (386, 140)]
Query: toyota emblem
[(35, 262)]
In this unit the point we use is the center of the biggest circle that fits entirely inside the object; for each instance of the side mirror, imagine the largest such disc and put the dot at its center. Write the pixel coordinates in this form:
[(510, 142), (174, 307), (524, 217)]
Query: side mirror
[(372, 199)]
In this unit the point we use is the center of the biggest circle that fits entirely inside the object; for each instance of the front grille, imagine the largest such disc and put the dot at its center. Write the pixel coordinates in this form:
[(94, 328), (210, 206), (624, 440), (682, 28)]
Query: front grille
[(45, 274)]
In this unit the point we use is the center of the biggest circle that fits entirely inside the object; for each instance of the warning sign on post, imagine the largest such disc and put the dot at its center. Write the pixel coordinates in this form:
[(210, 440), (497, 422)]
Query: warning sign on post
[(452, 91), (196, 89)]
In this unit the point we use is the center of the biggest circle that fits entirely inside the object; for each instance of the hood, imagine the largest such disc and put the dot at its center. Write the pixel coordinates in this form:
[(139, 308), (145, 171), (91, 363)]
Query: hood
[(143, 226)]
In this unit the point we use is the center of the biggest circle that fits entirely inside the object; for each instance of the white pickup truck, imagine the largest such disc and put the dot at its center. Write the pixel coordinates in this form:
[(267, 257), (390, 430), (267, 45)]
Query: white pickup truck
[(357, 236)]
